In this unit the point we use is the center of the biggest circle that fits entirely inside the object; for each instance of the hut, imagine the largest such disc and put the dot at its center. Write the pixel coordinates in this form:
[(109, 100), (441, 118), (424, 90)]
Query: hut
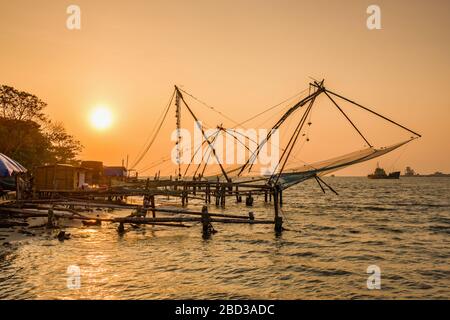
[(61, 177), (96, 169), (118, 172)]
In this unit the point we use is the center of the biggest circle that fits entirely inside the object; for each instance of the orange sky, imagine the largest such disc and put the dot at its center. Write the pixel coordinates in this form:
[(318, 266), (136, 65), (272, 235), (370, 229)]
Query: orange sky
[(239, 56)]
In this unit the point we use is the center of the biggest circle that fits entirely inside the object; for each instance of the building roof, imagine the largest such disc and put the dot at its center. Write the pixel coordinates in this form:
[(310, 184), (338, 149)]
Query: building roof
[(64, 165)]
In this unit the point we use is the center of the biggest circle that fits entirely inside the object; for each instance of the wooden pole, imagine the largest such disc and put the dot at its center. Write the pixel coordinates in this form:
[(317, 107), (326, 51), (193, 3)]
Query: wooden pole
[(209, 192), (217, 195), (278, 220), (50, 219), (206, 222), (223, 196), (280, 192), (152, 205)]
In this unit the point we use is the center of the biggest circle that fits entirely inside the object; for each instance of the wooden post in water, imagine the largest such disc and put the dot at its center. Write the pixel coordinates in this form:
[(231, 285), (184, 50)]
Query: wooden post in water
[(278, 220), (206, 222), (223, 196), (208, 193), (280, 192), (121, 228), (184, 195), (238, 198), (152, 205), (217, 194), (50, 219), (249, 200)]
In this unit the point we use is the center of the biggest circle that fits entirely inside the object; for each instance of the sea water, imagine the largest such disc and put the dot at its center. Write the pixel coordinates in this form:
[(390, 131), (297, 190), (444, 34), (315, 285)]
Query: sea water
[(400, 226)]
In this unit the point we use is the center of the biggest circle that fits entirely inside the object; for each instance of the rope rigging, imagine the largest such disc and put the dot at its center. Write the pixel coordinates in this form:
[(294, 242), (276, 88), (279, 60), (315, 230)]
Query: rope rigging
[(279, 123), (203, 133), (314, 90), (139, 159), (292, 140)]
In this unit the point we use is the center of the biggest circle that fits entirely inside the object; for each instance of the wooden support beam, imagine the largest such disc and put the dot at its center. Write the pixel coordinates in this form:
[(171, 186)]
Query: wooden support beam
[(152, 205), (278, 221)]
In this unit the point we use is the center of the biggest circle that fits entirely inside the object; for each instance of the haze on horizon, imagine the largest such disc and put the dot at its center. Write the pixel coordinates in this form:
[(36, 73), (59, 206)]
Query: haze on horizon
[(238, 56)]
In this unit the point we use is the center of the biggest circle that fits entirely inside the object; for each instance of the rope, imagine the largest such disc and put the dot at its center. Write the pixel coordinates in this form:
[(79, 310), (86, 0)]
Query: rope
[(273, 107), (288, 223), (399, 156), (208, 106), (155, 135)]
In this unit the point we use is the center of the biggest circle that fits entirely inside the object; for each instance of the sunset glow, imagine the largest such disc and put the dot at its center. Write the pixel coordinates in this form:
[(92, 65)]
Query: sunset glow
[(101, 118)]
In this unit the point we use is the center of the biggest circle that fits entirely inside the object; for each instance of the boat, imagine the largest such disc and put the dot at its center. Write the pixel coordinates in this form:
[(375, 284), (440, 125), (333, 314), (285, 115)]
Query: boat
[(379, 173)]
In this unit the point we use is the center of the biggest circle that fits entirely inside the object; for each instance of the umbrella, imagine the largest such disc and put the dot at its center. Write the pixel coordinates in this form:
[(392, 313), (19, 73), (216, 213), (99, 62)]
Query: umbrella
[(9, 166)]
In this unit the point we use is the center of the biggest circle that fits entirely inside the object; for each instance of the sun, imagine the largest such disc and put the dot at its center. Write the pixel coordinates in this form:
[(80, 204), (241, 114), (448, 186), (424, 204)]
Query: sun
[(101, 118)]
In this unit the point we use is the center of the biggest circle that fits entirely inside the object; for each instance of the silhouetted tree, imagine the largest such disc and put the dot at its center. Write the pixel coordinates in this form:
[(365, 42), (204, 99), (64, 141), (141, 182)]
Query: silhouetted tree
[(20, 105), (28, 136), (25, 142), (64, 147)]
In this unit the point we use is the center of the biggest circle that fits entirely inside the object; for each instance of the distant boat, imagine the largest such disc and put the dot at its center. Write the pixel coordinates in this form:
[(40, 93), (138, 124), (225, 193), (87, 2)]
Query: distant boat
[(409, 172), (379, 173)]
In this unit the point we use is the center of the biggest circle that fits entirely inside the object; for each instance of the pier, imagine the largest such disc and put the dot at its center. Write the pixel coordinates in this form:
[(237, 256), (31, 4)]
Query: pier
[(69, 204)]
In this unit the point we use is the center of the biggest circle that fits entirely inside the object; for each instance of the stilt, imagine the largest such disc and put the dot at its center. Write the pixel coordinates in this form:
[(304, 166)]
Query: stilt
[(278, 225), (280, 192), (223, 196), (50, 219), (278, 220), (217, 195), (207, 227), (121, 228), (208, 193), (249, 200), (152, 205)]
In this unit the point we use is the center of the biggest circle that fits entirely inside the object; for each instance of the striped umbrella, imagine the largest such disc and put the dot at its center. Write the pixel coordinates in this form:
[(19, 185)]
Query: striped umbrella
[(9, 166)]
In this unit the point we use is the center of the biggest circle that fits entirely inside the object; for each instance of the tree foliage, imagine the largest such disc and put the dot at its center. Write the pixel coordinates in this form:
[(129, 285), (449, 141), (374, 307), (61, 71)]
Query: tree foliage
[(28, 136), (64, 147), (20, 105)]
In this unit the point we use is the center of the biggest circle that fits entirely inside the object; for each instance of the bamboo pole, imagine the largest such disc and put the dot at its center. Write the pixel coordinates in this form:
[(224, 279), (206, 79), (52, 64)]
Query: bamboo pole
[(136, 220)]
